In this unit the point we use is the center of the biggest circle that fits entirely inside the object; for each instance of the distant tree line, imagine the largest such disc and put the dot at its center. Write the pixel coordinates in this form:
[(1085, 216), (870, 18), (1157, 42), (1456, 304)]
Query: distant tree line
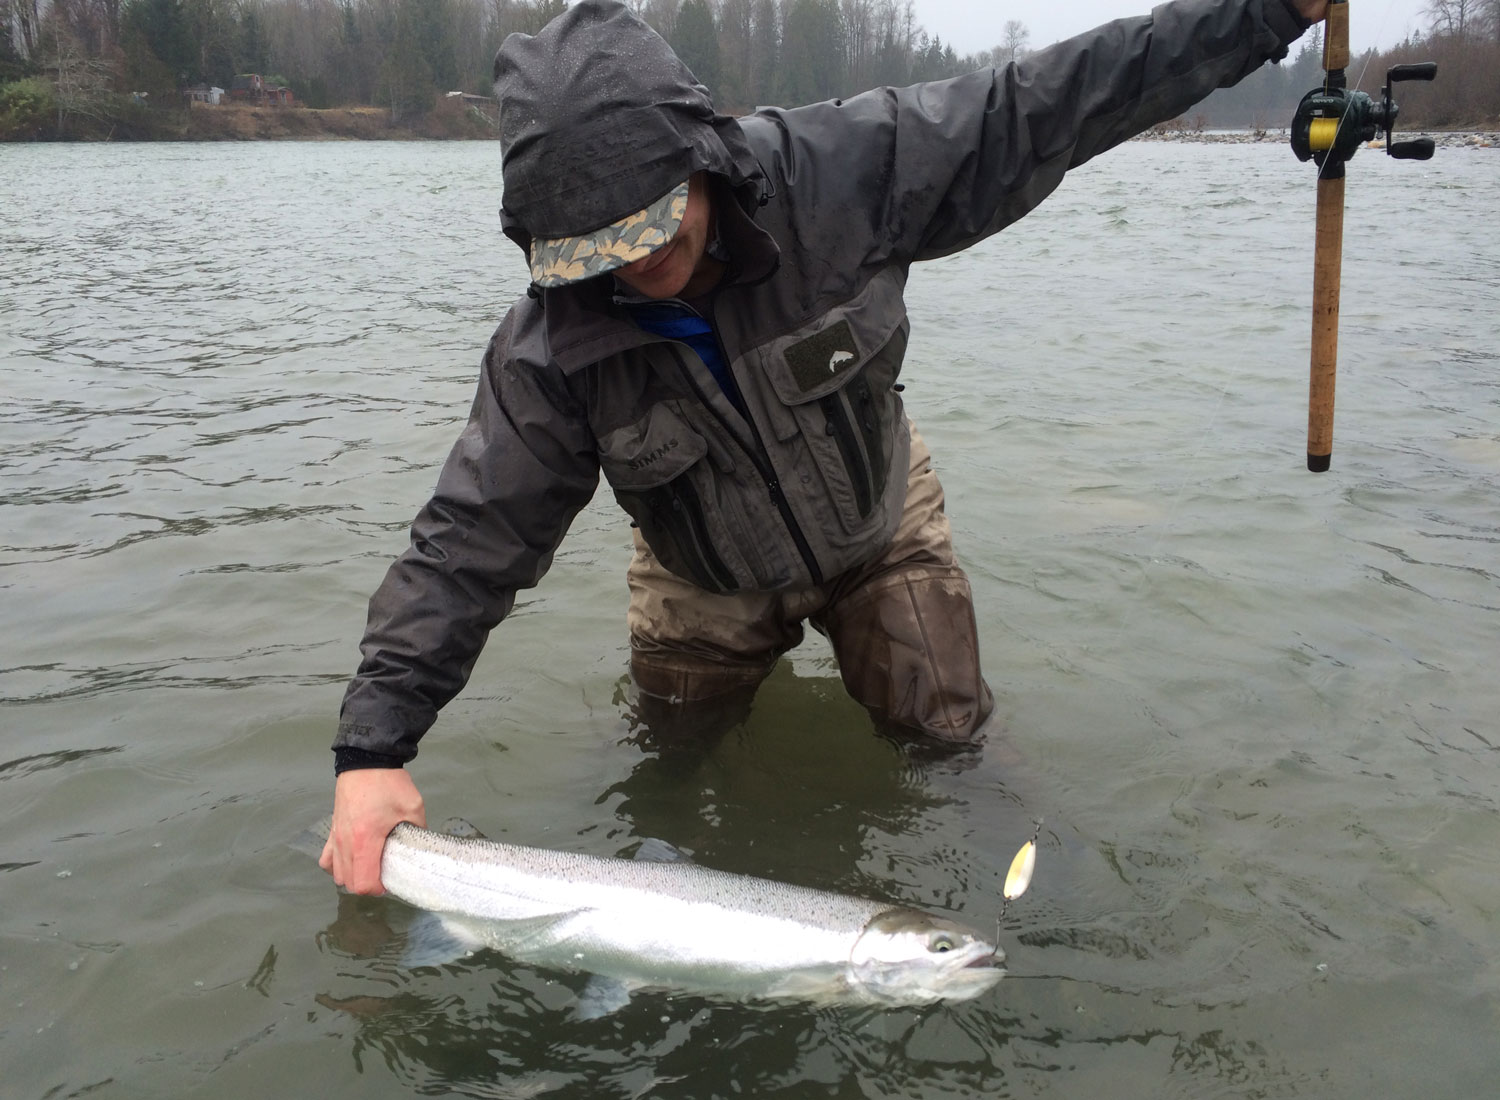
[(403, 53), (67, 65)]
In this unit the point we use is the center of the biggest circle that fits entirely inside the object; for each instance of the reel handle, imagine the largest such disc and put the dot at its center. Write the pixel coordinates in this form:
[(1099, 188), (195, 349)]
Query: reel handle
[(1417, 70), (1416, 149)]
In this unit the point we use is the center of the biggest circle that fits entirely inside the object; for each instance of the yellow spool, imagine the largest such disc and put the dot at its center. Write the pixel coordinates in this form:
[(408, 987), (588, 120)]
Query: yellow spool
[(1321, 133)]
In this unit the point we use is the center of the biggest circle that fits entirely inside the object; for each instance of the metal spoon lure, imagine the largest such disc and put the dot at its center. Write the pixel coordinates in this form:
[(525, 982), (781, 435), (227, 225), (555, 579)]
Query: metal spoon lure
[(1019, 875)]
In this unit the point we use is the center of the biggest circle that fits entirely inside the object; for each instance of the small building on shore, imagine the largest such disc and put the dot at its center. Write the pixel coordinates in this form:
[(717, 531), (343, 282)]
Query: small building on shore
[(203, 95), (260, 91)]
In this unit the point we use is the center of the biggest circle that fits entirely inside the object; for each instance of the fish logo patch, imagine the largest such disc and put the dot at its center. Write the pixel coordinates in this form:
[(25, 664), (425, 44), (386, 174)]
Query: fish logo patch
[(822, 356)]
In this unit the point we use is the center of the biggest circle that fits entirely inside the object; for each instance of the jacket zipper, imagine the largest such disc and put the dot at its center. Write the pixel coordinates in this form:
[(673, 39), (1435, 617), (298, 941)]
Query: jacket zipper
[(685, 503), (863, 403), (759, 459), (843, 434)]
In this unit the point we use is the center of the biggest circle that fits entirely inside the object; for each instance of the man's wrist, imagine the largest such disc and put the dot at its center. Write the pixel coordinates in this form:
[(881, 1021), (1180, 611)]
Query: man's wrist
[(1303, 20)]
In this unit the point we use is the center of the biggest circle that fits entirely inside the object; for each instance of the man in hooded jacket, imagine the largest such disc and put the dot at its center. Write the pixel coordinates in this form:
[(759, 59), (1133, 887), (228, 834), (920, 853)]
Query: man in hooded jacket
[(716, 322)]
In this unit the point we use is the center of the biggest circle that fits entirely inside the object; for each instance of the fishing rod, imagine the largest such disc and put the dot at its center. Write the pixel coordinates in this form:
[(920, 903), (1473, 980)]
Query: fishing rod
[(1331, 122)]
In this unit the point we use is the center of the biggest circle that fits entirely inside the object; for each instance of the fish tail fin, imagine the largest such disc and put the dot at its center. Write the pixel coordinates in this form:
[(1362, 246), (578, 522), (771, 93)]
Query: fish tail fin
[(312, 839)]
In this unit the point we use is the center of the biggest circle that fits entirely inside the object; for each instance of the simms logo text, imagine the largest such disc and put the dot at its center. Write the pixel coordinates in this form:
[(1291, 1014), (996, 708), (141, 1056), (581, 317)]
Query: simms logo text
[(652, 455)]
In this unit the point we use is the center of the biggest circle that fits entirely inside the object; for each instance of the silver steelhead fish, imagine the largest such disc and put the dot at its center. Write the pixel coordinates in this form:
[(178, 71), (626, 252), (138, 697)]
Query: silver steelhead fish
[(671, 924)]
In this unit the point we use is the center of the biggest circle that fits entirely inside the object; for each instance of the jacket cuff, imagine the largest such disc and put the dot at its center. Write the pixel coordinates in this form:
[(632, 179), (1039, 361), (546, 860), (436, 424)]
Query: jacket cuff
[(349, 759), (388, 741)]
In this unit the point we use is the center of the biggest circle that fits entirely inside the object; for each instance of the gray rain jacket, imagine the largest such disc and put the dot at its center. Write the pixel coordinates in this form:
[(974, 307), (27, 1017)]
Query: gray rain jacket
[(822, 209)]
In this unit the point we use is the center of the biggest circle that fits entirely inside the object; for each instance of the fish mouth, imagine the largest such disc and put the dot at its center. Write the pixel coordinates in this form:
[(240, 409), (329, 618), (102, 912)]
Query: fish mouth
[(984, 957), (975, 976)]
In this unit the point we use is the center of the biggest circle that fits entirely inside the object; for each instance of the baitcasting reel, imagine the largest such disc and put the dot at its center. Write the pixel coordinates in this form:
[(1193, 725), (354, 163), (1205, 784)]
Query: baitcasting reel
[(1332, 122)]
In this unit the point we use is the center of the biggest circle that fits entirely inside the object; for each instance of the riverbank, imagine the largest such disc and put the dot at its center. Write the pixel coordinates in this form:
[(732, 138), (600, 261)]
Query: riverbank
[(122, 120), (1443, 139), (449, 120)]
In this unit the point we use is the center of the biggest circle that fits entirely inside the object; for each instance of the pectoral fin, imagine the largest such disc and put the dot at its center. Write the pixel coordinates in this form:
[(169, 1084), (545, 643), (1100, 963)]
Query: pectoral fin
[(601, 996), (653, 850), (433, 939)]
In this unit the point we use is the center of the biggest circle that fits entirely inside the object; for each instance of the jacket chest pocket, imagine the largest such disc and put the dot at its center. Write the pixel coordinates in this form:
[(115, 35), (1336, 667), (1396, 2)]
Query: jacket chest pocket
[(659, 470), (838, 397)]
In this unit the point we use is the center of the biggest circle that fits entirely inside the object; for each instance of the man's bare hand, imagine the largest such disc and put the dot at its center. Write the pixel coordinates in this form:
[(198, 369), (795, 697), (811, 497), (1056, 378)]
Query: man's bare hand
[(1314, 11), (367, 804)]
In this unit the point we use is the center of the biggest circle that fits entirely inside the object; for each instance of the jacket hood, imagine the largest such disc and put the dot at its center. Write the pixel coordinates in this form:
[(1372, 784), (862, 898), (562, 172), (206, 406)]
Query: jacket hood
[(599, 118)]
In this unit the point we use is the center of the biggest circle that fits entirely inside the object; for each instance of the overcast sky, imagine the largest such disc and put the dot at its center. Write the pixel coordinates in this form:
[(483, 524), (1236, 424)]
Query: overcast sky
[(974, 25)]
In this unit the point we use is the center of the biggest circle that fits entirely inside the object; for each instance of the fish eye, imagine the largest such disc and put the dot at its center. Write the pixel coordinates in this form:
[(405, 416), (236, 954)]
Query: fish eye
[(941, 943)]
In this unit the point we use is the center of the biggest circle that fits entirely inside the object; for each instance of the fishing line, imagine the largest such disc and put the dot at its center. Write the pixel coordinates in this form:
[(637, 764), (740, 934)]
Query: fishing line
[(1025, 860), (1175, 502), (1024, 864), (1174, 507), (1371, 53)]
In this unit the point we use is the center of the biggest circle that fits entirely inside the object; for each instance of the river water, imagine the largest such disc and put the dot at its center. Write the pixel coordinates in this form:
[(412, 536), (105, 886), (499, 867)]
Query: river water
[(1255, 707)]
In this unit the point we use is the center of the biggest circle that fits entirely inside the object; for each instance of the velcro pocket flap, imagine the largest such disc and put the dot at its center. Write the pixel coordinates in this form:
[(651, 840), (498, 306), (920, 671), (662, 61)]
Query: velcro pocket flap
[(813, 362), (811, 367)]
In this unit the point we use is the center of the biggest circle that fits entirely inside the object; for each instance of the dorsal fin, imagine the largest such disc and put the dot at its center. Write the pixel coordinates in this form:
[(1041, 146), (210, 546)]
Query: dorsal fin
[(457, 826)]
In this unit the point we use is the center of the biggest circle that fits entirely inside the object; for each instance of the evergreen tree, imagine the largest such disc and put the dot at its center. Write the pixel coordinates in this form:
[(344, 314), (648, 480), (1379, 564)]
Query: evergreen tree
[(212, 29), (736, 19), (141, 70), (254, 52), (928, 63), (892, 65), (812, 51), (696, 42), (160, 27), (765, 54), (406, 77), (432, 29), (12, 65), (1306, 71)]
